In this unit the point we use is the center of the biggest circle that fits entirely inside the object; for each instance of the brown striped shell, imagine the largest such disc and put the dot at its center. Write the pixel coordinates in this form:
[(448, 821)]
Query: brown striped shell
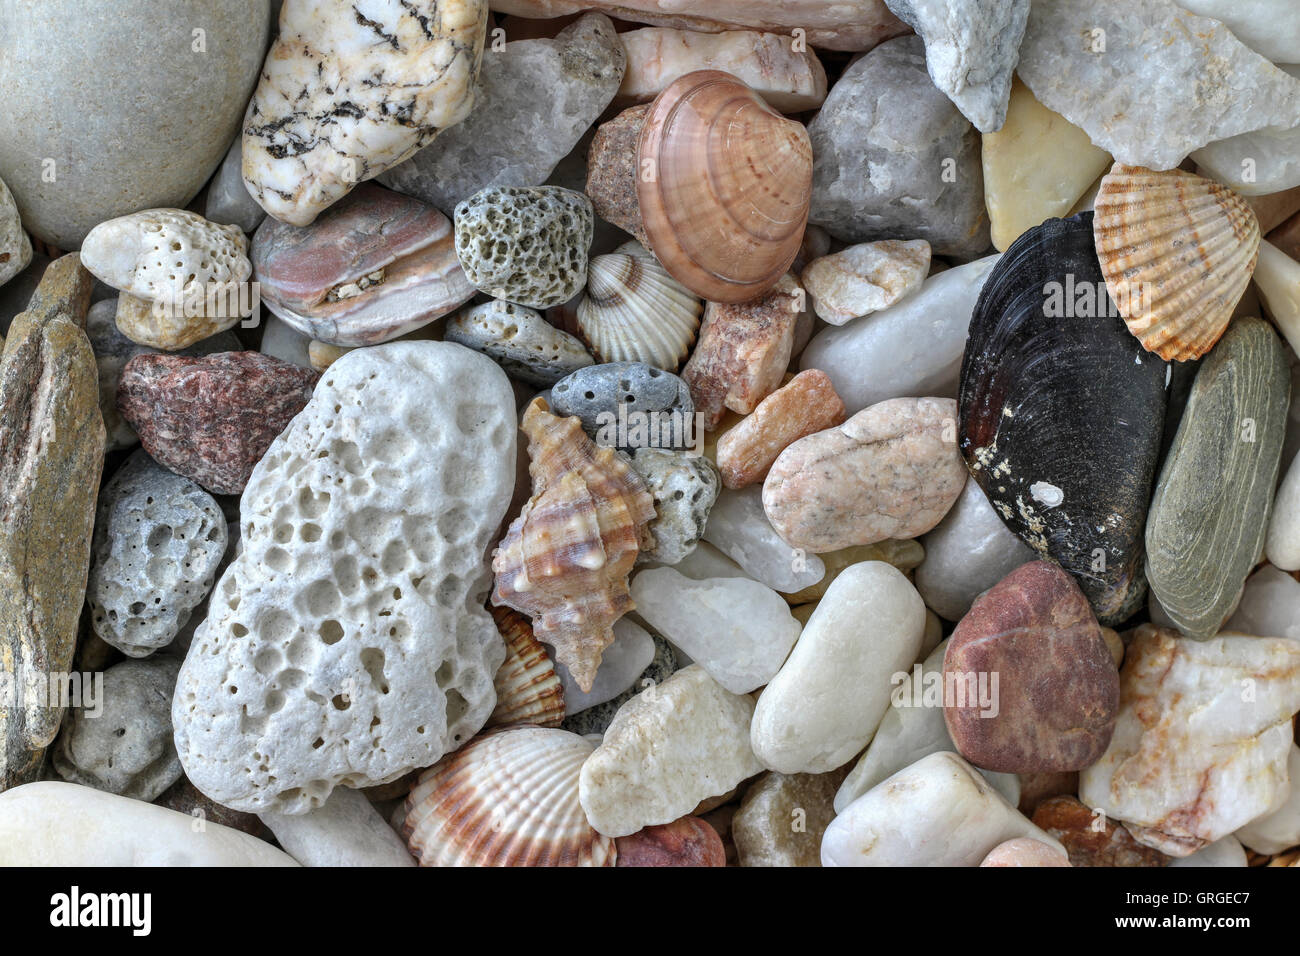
[(1177, 252), (724, 186), (528, 689), (565, 560), (507, 798)]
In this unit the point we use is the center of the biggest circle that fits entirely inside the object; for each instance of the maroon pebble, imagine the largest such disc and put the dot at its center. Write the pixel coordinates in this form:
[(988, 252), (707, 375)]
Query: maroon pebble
[(685, 842)]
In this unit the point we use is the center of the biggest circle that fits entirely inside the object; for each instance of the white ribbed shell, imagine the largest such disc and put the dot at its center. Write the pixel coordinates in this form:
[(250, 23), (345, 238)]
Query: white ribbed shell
[(634, 311)]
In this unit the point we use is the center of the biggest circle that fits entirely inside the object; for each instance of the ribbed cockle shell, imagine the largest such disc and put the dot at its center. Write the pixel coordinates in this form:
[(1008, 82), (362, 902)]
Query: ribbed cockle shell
[(1177, 252), (724, 184), (507, 798), (634, 311), (565, 560), (528, 689)]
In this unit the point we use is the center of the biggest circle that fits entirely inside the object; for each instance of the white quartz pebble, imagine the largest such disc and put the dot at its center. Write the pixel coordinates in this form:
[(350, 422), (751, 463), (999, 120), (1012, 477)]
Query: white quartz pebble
[(739, 528), (346, 831), (1282, 546), (1224, 852), (1270, 605), (620, 665), (1279, 829)]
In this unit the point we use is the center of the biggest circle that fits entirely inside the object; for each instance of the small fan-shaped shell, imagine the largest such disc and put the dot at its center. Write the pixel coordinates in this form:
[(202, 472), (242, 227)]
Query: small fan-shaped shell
[(565, 560), (507, 798), (634, 311), (725, 186), (1177, 252), (528, 689)]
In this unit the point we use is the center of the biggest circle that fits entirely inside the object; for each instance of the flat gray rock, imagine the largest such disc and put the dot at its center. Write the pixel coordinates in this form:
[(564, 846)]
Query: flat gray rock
[(971, 48), (229, 202), (534, 101), (894, 159), (1148, 81)]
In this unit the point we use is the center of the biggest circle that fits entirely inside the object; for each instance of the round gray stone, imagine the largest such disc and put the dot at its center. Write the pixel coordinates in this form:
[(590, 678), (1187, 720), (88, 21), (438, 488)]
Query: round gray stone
[(596, 393)]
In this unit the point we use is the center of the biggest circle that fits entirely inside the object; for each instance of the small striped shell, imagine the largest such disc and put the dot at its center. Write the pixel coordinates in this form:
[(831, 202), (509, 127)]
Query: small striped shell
[(634, 311), (507, 798), (528, 689), (1177, 252)]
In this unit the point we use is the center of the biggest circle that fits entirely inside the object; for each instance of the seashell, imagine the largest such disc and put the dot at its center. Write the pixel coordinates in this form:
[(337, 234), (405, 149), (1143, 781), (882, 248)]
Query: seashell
[(565, 560), (507, 798), (528, 689), (725, 186), (1060, 417), (1177, 252), (374, 266), (634, 311)]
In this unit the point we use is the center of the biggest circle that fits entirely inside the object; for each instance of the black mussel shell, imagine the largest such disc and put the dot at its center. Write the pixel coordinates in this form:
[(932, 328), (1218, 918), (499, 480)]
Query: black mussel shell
[(1062, 412)]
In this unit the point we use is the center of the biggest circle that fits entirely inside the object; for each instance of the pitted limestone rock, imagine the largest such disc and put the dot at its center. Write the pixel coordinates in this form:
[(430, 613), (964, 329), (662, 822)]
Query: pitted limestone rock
[(158, 540), (347, 643)]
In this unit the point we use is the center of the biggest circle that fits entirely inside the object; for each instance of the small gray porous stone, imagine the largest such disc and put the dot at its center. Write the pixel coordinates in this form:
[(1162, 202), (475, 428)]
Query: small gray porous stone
[(518, 339), (158, 540), (684, 489)]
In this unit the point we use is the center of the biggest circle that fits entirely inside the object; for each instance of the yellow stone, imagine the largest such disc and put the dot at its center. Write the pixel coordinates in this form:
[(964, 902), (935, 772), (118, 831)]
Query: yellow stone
[(1035, 167)]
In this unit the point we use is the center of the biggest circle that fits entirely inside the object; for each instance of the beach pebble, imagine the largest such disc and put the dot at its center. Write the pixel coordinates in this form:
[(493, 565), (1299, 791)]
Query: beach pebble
[(1282, 545), (184, 797), (706, 561), (1024, 851), (937, 812), (162, 115), (971, 48), (534, 100), (685, 842), (282, 341), (742, 352), (158, 540), (15, 247), (739, 529), (1277, 279), (518, 339), (346, 643), (782, 818), (1279, 828), (1036, 166), (1259, 163), (890, 471), (65, 824), (211, 418), (612, 172), (684, 489), (124, 744), (827, 700), (525, 245), (596, 394), (346, 831), (1265, 26), (865, 278), (1224, 852), (1209, 759), (790, 79), (399, 76), (802, 406), (1056, 697), (621, 664), (741, 652), (903, 554), (596, 718), (1090, 838), (158, 327), (894, 159), (967, 553), (914, 347), (229, 202), (1269, 606), (667, 749)]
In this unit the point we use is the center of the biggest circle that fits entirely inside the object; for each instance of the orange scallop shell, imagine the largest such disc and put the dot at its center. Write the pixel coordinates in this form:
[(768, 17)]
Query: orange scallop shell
[(724, 185), (528, 689), (565, 560)]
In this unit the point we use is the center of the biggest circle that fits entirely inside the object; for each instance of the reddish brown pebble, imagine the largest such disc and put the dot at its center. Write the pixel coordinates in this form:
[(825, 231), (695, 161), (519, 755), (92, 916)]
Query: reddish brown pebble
[(611, 171), (184, 797), (1024, 851), (212, 418), (743, 352), (1056, 696), (1287, 237), (1037, 787), (804, 405), (1090, 838), (685, 842)]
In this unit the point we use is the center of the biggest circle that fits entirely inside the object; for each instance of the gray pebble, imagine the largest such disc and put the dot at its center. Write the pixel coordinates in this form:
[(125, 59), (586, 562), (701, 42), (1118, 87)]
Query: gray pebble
[(601, 390), (594, 720), (519, 340), (229, 202), (684, 489)]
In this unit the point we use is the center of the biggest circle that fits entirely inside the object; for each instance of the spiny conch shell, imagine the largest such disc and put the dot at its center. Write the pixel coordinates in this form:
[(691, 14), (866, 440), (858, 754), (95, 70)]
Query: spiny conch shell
[(1177, 252), (724, 186), (565, 560), (634, 311), (507, 798), (528, 689)]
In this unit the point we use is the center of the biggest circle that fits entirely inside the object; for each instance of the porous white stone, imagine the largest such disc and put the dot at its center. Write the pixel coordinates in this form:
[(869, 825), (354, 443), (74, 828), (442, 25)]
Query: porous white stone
[(822, 707), (158, 540), (1148, 81), (66, 824), (1279, 828), (347, 643), (519, 340), (348, 92), (1201, 743), (738, 630), (346, 831), (739, 528), (937, 812), (122, 743), (967, 553), (620, 665), (971, 48), (914, 347), (168, 256), (1269, 606), (684, 488), (668, 749), (15, 247)]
